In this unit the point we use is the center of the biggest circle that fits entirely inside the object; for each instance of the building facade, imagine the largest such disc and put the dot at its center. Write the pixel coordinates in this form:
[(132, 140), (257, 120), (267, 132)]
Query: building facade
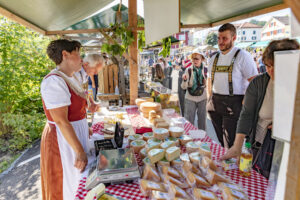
[(248, 32), (276, 28)]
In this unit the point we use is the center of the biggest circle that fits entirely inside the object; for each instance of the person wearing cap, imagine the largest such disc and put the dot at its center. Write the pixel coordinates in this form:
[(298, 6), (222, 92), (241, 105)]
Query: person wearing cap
[(195, 96), (229, 73)]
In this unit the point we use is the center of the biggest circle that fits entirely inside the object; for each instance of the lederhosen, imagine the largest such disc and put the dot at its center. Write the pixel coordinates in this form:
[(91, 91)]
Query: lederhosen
[(224, 110)]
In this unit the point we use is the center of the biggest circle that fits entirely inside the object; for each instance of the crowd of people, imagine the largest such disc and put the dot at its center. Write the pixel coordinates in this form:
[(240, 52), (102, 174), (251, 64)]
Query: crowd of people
[(227, 86)]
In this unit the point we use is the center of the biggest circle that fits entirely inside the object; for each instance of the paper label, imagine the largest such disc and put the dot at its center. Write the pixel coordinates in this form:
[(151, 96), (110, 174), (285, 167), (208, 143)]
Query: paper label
[(245, 164)]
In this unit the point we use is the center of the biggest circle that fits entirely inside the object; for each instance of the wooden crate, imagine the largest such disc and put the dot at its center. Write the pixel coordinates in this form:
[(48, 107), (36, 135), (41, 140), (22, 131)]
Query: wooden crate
[(108, 79)]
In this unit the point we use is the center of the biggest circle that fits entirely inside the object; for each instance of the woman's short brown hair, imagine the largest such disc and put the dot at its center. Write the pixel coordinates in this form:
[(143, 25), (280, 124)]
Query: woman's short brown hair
[(278, 45), (55, 48), (159, 71)]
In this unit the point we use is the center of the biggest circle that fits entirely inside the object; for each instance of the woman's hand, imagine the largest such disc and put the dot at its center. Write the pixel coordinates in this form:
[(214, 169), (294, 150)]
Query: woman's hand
[(93, 106), (233, 152), (81, 161)]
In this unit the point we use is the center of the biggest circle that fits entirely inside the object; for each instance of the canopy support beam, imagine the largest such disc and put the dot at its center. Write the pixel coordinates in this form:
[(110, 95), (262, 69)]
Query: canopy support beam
[(295, 6), (21, 21), (133, 52)]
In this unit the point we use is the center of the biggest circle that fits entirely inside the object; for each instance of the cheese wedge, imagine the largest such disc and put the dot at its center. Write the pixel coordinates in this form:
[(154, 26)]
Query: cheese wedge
[(173, 139), (167, 144), (158, 120), (204, 149), (150, 173), (97, 191), (177, 162), (190, 179), (148, 186), (157, 195), (156, 155), (204, 194), (178, 191), (153, 144), (163, 162), (137, 145), (160, 133), (223, 185), (162, 125), (185, 157), (200, 181), (208, 163), (171, 171), (195, 157), (184, 139), (173, 180), (172, 153), (231, 194), (143, 153), (215, 177), (176, 131), (134, 137), (146, 161)]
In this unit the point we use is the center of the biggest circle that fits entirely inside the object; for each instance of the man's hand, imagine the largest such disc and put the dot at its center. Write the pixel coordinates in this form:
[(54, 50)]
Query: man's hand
[(93, 85), (90, 132), (81, 161), (184, 77), (93, 107), (233, 152)]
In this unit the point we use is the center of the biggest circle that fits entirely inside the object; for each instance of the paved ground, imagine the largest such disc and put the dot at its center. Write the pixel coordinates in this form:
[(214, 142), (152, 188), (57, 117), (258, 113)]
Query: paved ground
[(23, 181)]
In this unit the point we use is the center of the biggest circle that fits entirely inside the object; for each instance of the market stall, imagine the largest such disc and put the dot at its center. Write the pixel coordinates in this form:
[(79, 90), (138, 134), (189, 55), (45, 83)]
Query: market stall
[(254, 186)]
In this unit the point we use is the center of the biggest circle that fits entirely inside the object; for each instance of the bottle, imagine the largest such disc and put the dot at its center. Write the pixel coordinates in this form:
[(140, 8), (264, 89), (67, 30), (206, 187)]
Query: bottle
[(246, 160), (117, 90), (120, 103)]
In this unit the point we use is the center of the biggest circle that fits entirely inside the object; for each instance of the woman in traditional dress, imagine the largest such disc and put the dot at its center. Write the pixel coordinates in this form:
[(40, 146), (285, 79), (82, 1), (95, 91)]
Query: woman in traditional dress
[(64, 143)]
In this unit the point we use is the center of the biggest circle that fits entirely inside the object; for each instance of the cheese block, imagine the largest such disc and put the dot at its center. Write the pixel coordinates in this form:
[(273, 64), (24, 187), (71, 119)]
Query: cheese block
[(137, 145), (201, 194), (172, 153), (171, 171), (208, 163), (184, 139), (175, 140), (158, 120), (178, 192), (195, 158), (176, 131), (160, 133), (157, 195), (215, 177), (167, 144), (192, 147), (156, 155), (163, 162), (147, 186), (147, 136), (200, 181), (146, 107), (146, 161), (177, 163), (150, 173), (231, 194), (143, 153), (134, 137), (190, 179), (204, 149)]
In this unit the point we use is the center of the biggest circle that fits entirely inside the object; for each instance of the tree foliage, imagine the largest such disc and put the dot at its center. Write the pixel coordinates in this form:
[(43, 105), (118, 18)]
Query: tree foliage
[(260, 23), (212, 39), (23, 65)]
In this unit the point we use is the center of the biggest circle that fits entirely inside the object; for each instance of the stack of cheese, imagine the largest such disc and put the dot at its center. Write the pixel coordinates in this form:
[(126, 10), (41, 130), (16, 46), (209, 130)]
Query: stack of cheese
[(151, 110), (168, 174), (139, 101)]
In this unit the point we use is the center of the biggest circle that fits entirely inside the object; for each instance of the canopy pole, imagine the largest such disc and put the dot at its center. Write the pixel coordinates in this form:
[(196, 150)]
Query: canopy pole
[(295, 6), (293, 171), (133, 52)]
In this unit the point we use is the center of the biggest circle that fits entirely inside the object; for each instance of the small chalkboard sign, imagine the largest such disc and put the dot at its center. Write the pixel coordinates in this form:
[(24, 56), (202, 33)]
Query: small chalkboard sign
[(105, 144)]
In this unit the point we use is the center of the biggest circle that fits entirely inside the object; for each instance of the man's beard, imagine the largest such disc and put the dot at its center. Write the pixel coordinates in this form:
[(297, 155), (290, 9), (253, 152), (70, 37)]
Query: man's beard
[(227, 47)]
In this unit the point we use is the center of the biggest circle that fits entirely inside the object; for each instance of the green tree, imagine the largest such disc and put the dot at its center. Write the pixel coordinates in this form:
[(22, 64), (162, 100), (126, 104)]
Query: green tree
[(260, 23), (23, 65), (211, 39)]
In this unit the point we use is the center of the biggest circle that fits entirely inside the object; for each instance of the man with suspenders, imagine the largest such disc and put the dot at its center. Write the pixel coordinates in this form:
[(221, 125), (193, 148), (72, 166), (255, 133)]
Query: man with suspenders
[(229, 73)]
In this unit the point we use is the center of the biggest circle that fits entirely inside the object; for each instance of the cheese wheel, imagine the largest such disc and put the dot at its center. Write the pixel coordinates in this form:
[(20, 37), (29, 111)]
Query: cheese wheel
[(158, 120), (176, 131), (192, 147), (162, 125), (160, 133), (195, 157), (147, 136), (167, 144), (204, 194), (143, 153), (156, 155), (145, 115), (204, 149), (134, 137), (146, 107), (139, 101), (172, 153), (152, 113), (184, 139), (137, 145)]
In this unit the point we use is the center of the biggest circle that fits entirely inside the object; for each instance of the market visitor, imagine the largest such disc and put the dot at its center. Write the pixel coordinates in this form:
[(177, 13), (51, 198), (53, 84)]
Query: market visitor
[(158, 73), (64, 140), (195, 96), (256, 116), (229, 73)]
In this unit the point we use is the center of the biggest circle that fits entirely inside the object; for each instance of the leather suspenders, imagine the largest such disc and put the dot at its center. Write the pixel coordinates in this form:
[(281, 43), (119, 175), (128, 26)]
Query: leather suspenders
[(222, 68)]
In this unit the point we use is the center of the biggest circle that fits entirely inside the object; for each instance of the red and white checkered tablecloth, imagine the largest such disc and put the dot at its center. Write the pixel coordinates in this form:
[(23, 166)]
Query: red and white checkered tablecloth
[(255, 185)]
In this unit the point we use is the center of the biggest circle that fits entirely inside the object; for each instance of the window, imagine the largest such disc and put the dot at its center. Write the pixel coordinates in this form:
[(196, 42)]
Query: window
[(254, 32), (253, 38), (271, 32), (279, 31), (244, 32)]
